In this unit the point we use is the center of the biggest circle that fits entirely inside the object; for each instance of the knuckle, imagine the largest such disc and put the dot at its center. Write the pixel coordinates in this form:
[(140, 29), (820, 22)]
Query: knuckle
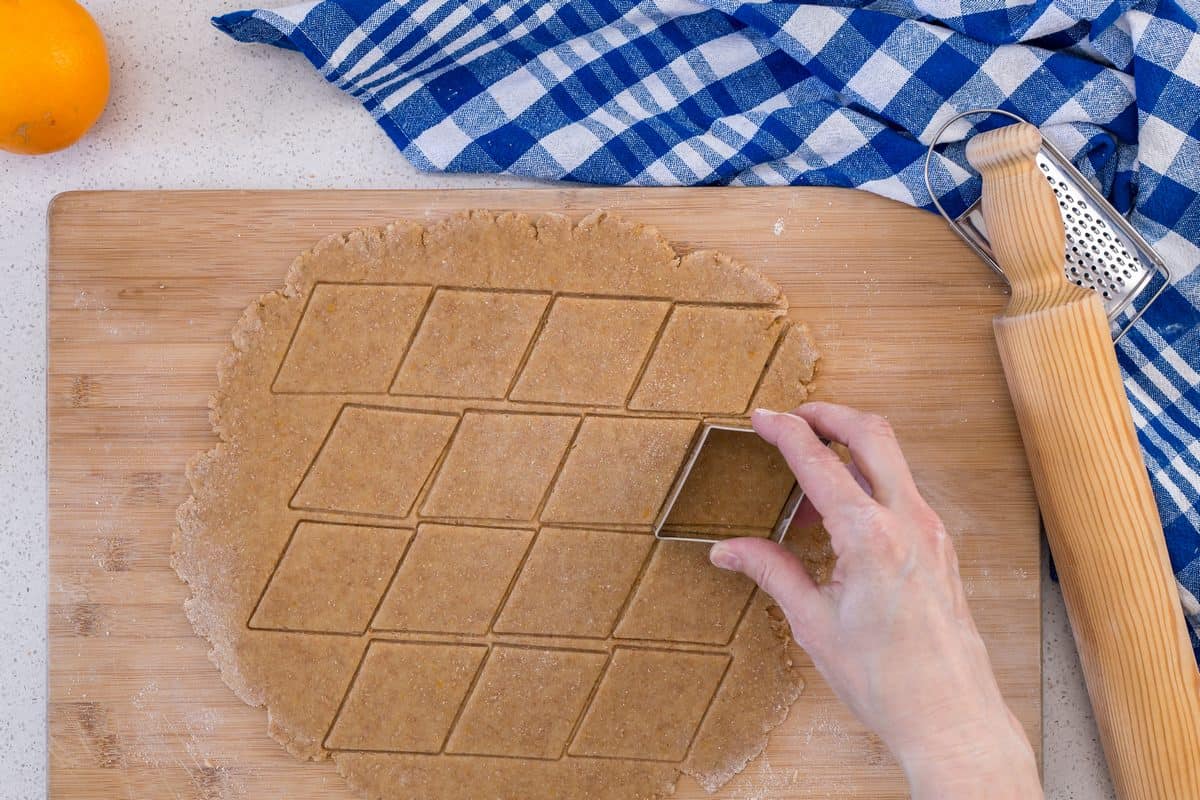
[(876, 522), (791, 431), (803, 450), (861, 521), (875, 425), (818, 461), (926, 519), (937, 530), (930, 529), (882, 537)]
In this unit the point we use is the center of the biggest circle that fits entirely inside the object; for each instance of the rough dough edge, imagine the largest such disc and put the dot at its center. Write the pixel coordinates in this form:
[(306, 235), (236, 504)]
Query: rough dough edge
[(779, 627), (250, 326)]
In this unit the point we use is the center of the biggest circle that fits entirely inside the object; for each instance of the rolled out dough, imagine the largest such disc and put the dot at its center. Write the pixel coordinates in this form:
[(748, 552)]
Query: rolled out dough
[(423, 540)]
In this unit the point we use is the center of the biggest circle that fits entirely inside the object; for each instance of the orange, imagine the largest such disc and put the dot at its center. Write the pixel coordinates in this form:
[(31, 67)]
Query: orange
[(53, 74)]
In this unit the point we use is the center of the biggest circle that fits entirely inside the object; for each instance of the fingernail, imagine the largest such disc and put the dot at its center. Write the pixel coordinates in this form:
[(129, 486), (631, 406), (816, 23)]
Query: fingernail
[(766, 412), (721, 557)]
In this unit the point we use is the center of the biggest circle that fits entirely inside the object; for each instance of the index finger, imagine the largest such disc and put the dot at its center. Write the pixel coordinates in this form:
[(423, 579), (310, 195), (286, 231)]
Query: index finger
[(873, 447), (826, 482)]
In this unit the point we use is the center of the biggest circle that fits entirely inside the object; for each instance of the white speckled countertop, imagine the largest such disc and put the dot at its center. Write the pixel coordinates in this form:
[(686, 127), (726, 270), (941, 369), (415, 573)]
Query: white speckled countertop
[(191, 109)]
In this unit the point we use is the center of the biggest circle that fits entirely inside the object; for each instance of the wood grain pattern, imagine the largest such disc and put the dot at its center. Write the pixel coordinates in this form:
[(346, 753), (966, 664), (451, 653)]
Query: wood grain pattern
[(144, 290), (1092, 485)]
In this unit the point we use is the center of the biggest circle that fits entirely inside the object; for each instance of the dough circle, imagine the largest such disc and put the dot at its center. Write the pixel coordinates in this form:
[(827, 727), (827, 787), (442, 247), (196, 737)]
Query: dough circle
[(422, 541)]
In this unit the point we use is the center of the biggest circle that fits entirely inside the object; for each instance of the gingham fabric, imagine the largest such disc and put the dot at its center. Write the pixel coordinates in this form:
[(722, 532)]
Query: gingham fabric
[(829, 93)]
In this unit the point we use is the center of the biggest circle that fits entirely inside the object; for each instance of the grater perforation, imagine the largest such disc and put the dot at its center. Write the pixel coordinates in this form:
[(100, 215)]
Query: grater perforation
[(1095, 258), (1103, 251)]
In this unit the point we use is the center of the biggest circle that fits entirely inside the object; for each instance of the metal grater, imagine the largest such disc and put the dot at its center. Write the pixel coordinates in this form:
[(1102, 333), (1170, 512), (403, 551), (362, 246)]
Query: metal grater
[(1103, 251)]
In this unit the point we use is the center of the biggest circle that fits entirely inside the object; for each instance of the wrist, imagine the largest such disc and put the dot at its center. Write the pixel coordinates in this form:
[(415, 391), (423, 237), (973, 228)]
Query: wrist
[(993, 761)]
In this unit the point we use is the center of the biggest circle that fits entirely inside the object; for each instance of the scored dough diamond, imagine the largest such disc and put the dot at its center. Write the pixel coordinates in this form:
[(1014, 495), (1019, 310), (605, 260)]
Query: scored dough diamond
[(634, 460), (452, 580), (617, 724), (374, 461), (378, 714), (330, 578), (526, 702)]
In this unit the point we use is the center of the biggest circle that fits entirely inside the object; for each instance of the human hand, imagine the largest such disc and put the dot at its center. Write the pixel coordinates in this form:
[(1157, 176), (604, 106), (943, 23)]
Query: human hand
[(891, 631)]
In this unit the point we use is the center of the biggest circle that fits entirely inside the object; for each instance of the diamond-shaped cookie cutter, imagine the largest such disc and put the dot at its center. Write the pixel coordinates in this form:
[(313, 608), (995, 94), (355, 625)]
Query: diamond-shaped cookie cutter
[(778, 531)]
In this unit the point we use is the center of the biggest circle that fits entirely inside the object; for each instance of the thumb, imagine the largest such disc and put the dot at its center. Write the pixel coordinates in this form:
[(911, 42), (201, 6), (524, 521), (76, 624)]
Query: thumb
[(779, 573)]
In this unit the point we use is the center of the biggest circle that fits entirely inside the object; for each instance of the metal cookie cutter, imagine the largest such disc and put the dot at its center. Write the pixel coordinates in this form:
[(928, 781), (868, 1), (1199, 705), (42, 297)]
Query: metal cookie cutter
[(662, 531), (1103, 252)]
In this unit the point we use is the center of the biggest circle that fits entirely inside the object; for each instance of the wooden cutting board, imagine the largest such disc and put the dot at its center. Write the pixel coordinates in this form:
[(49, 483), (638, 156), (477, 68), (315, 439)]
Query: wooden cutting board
[(144, 289)]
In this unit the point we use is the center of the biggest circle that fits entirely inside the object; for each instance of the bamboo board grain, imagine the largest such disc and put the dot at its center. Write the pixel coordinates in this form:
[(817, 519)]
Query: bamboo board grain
[(144, 288)]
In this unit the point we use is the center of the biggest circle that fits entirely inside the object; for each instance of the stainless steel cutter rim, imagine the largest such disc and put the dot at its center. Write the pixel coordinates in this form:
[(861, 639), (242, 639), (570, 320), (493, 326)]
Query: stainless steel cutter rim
[(782, 523), (1099, 201)]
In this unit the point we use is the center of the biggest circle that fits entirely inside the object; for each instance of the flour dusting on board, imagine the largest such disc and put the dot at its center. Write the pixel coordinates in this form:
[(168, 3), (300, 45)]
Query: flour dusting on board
[(767, 781), (160, 726), (822, 726), (85, 301)]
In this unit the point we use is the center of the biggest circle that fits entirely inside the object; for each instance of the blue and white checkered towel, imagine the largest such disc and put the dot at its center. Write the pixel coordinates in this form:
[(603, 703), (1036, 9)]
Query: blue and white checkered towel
[(830, 93)]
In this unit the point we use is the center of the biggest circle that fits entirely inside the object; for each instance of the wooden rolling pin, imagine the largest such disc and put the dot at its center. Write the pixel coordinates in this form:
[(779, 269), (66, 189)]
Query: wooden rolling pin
[(1092, 485)]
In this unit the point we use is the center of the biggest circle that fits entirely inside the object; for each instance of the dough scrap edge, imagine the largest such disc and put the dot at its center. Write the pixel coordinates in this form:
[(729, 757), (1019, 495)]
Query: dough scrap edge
[(202, 606)]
